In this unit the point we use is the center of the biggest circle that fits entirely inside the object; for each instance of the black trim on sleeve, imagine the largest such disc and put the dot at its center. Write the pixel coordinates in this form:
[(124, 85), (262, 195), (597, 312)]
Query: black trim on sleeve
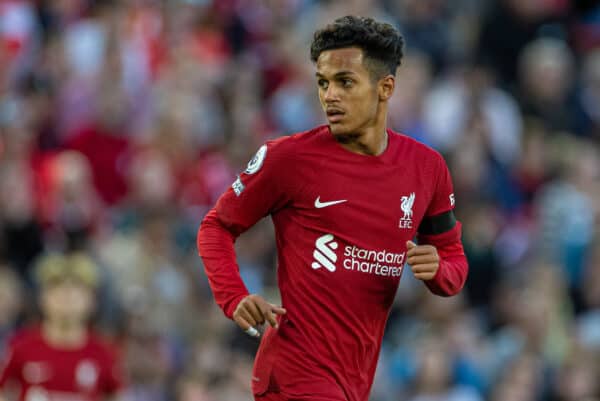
[(438, 224)]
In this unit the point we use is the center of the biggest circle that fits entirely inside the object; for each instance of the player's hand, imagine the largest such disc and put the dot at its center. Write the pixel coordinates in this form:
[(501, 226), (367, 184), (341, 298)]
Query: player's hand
[(423, 260), (253, 311)]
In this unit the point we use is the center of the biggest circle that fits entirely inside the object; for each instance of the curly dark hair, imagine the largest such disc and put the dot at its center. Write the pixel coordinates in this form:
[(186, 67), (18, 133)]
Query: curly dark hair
[(381, 43)]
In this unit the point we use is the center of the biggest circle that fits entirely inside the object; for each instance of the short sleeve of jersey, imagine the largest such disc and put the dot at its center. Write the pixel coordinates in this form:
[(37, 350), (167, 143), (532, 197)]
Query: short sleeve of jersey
[(443, 195), (261, 189)]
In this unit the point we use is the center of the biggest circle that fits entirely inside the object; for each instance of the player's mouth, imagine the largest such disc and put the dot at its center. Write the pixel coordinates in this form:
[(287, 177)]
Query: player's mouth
[(334, 115)]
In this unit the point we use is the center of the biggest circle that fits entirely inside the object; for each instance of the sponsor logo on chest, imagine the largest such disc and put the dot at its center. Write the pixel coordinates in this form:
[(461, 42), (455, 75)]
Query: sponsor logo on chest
[(369, 261)]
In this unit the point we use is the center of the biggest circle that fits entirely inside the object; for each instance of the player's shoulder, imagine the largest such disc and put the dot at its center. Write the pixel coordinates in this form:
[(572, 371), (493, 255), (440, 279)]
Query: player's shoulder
[(292, 142), (287, 148), (415, 149)]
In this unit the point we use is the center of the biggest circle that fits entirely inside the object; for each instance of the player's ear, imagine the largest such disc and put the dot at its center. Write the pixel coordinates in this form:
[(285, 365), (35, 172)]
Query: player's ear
[(386, 87)]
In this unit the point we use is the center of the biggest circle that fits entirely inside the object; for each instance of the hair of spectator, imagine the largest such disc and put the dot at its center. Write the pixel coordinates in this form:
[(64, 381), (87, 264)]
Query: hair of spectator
[(381, 43)]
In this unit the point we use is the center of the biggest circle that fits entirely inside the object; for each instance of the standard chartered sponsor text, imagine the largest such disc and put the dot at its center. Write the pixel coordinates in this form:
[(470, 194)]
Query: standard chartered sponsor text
[(381, 263)]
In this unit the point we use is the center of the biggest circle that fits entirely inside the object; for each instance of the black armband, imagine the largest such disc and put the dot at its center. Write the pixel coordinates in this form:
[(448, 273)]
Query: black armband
[(438, 224)]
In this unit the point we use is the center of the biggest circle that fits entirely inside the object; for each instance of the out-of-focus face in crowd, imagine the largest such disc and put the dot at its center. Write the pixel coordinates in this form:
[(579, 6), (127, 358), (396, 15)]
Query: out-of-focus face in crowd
[(67, 302), (67, 288)]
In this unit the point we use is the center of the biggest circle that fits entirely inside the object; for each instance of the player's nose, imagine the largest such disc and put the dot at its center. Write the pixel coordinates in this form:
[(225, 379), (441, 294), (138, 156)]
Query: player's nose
[(331, 95)]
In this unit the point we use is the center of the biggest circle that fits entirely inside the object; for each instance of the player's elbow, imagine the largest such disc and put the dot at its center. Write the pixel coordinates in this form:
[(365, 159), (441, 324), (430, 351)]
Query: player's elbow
[(213, 235), (202, 234), (208, 233)]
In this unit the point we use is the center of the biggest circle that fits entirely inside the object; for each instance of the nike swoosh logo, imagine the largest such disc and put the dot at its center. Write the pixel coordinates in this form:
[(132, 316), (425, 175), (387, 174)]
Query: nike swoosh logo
[(319, 204)]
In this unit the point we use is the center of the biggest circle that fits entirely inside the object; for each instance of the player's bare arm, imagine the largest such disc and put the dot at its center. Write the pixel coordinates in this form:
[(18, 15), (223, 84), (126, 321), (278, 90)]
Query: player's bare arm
[(254, 310), (423, 260)]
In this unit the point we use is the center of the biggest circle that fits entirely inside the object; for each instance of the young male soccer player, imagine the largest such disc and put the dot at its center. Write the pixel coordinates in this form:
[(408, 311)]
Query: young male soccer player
[(346, 200), (62, 360)]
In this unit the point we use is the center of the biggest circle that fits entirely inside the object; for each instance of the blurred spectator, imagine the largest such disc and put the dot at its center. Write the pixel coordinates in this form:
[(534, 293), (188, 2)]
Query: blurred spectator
[(11, 305), (146, 274), (425, 28), (499, 47), (521, 380), (148, 357), (565, 208), (70, 205), (590, 92), (62, 358), (531, 172), (547, 87), (105, 146), (577, 377), (407, 107), (434, 377), (480, 232), (589, 302), (455, 103)]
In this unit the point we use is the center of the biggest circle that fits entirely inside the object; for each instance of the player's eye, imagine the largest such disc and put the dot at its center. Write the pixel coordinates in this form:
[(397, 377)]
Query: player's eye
[(323, 84), (347, 83)]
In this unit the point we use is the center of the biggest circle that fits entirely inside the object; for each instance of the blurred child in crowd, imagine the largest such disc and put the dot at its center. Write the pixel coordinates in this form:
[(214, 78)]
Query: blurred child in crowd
[(62, 358)]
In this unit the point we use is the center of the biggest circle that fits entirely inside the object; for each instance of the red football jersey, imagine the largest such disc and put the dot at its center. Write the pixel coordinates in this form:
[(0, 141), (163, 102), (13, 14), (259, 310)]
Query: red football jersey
[(342, 221), (44, 372)]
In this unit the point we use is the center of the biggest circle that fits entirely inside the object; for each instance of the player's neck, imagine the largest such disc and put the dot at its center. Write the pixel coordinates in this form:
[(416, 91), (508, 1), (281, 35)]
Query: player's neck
[(372, 142), (64, 334)]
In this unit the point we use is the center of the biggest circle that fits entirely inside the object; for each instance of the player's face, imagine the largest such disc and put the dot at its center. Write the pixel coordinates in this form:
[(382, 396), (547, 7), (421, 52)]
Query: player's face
[(67, 301), (347, 91)]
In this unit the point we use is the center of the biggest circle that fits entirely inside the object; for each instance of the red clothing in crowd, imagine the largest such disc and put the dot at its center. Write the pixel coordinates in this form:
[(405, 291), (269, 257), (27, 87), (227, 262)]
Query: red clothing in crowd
[(44, 372)]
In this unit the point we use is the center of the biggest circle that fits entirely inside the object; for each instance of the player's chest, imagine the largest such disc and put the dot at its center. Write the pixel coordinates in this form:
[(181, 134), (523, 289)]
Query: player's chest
[(374, 199)]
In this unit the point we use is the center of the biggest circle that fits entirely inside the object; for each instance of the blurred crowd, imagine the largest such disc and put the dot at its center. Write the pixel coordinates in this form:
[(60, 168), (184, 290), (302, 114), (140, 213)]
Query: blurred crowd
[(121, 122)]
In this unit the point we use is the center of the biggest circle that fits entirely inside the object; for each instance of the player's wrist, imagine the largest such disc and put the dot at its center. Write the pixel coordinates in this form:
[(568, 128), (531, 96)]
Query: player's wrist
[(233, 305)]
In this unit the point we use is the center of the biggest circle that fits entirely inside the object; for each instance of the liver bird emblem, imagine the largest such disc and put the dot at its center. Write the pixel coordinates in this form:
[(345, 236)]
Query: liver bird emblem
[(407, 205)]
